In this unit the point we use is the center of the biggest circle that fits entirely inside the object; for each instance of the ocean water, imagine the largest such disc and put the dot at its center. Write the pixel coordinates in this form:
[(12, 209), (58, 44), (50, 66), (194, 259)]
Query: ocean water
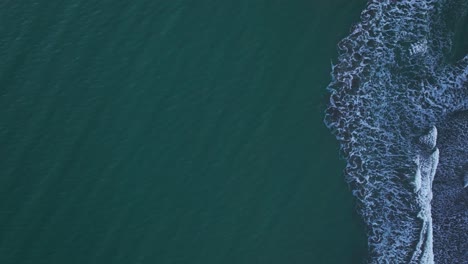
[(398, 106), (172, 132)]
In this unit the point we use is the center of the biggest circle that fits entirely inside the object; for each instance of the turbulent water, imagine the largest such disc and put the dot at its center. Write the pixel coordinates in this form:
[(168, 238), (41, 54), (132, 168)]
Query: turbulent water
[(399, 107)]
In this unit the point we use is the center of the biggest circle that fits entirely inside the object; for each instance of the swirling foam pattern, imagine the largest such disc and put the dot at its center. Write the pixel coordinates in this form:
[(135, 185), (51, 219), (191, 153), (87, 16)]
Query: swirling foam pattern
[(392, 87)]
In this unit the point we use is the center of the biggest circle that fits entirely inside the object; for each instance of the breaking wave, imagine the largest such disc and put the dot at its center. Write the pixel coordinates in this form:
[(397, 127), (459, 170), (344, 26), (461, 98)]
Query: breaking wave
[(394, 84)]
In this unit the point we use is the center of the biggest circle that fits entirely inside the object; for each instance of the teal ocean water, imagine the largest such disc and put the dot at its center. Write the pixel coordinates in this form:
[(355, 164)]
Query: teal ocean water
[(172, 132)]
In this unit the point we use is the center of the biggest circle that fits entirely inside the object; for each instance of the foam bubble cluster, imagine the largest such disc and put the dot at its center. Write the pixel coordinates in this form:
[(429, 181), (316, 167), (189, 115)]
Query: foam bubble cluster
[(391, 88)]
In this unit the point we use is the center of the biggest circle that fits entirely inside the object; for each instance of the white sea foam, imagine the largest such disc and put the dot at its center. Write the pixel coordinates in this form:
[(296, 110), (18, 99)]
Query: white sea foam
[(390, 86), (427, 168), (430, 139), (419, 47)]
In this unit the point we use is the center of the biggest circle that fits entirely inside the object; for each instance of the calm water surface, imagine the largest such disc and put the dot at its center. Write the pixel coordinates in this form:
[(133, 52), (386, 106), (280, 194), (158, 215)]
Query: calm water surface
[(172, 132)]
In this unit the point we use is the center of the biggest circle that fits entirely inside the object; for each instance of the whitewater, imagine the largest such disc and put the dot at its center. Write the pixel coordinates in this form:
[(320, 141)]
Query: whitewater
[(399, 108)]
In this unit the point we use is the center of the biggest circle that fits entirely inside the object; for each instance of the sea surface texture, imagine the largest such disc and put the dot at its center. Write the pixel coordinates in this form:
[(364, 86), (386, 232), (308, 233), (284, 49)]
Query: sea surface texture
[(172, 132), (399, 108)]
